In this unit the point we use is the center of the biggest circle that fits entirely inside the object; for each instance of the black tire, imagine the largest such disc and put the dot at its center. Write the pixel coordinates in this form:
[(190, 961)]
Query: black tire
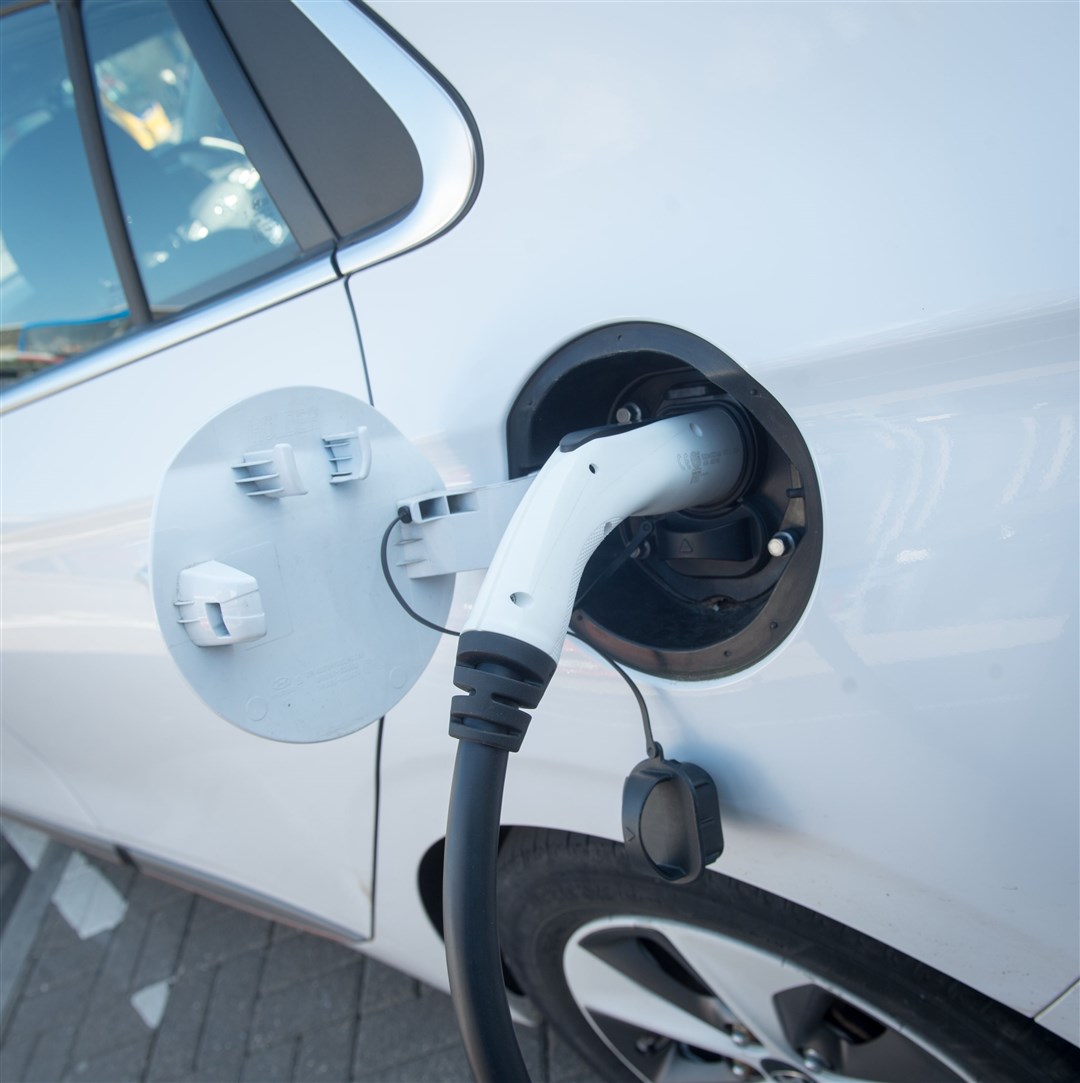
[(553, 884)]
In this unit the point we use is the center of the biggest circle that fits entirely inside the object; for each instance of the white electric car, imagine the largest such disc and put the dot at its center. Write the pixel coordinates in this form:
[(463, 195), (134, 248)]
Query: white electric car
[(277, 276)]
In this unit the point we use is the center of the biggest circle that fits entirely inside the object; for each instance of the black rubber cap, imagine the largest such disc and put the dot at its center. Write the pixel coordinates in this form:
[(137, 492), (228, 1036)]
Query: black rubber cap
[(671, 818)]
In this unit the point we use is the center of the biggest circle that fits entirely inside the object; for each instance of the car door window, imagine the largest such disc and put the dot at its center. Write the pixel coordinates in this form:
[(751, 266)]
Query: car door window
[(60, 292), (198, 214), (199, 218)]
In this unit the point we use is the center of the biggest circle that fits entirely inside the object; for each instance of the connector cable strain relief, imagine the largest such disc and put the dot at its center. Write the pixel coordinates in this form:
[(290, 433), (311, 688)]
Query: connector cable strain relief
[(501, 676)]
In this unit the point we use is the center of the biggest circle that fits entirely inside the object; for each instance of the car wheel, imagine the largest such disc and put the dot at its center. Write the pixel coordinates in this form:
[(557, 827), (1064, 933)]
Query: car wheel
[(721, 981)]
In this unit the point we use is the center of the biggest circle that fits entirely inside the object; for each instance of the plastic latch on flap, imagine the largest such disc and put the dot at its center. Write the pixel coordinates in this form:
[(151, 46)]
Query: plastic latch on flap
[(271, 472), (219, 605), (350, 455)]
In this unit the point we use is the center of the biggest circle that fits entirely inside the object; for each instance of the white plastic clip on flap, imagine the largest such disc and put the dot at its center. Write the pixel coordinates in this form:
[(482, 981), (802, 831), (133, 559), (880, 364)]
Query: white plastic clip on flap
[(219, 605), (350, 455), (272, 472), (447, 532)]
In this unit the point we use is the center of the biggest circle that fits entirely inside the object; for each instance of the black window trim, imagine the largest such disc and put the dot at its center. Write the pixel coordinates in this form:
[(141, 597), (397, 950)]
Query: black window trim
[(255, 131), (93, 137), (363, 193)]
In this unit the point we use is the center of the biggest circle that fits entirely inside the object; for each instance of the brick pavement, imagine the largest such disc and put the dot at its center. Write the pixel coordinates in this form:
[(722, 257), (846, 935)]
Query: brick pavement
[(183, 988)]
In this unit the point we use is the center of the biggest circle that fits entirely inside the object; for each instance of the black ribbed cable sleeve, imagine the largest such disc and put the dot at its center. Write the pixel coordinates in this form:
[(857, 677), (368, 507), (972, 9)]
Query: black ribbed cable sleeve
[(473, 959)]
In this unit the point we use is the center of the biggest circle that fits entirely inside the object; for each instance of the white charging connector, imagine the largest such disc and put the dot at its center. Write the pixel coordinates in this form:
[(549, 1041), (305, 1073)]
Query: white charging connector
[(585, 489)]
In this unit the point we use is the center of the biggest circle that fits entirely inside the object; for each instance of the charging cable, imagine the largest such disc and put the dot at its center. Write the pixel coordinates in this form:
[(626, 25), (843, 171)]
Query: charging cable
[(507, 654)]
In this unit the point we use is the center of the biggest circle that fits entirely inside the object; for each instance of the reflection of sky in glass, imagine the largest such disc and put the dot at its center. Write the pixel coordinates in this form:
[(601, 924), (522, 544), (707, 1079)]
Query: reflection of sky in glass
[(59, 289)]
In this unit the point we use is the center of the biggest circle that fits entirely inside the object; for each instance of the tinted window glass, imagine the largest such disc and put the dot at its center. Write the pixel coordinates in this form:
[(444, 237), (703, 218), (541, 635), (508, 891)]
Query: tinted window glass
[(199, 217), (60, 293)]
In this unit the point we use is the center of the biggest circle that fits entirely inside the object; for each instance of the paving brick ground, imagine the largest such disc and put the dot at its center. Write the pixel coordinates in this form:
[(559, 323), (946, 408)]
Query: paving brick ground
[(187, 989)]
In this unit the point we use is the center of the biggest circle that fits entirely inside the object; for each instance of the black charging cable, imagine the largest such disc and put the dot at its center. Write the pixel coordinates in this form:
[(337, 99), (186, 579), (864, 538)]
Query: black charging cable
[(503, 678), (384, 557), (470, 930), (470, 914)]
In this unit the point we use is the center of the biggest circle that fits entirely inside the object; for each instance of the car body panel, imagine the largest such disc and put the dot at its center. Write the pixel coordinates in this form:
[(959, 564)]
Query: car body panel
[(887, 270), (893, 762), (1063, 1016), (154, 769)]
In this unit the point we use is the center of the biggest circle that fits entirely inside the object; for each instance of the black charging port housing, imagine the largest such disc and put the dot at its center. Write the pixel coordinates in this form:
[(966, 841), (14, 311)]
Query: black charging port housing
[(706, 591)]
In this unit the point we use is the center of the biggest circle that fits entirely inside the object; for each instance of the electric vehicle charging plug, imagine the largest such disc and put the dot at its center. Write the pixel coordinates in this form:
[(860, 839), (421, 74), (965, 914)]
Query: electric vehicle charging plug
[(508, 652), (585, 489)]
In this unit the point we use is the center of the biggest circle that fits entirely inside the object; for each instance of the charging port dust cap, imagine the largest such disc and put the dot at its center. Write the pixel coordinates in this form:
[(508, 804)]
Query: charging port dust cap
[(671, 818)]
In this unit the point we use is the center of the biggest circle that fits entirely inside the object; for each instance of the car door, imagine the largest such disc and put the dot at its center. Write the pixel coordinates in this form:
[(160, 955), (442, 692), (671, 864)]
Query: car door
[(175, 191)]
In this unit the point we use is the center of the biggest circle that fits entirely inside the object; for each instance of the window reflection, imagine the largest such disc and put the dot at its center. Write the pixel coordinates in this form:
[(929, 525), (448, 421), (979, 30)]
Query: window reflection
[(199, 217), (60, 293)]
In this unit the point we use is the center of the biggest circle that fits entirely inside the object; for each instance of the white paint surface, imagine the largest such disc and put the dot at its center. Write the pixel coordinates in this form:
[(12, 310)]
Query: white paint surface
[(1063, 1016), (86, 899), (28, 843), (150, 1003)]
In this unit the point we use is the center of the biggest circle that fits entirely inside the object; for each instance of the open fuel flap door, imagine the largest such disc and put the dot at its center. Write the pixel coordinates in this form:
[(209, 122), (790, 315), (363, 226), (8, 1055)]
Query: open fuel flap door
[(266, 567)]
